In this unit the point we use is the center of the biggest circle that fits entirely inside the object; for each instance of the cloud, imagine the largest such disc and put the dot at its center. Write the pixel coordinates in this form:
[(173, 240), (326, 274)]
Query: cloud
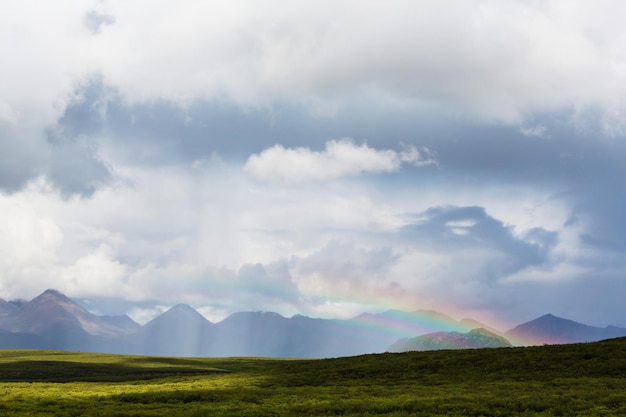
[(54, 57), (226, 244), (96, 18), (489, 60), (138, 140), (98, 273), (71, 164), (342, 269), (456, 229), (75, 167), (22, 157), (340, 158), (7, 114), (29, 242), (486, 61), (537, 130)]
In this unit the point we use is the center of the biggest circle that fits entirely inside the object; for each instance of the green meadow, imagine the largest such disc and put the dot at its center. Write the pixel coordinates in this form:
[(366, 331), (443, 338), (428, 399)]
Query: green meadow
[(582, 379)]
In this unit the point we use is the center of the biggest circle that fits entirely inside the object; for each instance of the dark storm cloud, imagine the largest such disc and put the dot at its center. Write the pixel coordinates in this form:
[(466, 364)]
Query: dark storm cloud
[(164, 132), (74, 166), (65, 152), (69, 163), (171, 132), (572, 163), (451, 229), (595, 299), (20, 159), (550, 152), (598, 195), (554, 152)]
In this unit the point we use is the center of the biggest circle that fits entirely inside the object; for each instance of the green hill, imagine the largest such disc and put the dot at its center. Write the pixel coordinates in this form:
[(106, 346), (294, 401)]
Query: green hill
[(555, 380), (474, 339)]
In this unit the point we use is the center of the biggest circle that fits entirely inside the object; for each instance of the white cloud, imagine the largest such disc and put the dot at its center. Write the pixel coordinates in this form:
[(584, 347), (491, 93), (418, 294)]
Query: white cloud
[(29, 244), (209, 237), (496, 60), (97, 274), (177, 231), (46, 50), (143, 315), (537, 130), (7, 114), (340, 158)]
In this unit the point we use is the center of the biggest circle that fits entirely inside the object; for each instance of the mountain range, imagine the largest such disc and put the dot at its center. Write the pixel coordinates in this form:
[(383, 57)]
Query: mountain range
[(54, 321)]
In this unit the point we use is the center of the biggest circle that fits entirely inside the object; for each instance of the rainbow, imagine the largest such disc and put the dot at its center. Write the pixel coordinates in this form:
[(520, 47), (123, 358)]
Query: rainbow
[(403, 324), (409, 324)]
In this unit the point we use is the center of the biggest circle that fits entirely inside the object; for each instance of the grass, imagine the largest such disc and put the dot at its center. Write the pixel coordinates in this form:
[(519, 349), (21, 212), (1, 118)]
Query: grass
[(582, 379)]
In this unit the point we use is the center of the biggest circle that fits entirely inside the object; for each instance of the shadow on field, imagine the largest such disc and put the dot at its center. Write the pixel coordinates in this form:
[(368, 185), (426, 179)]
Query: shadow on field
[(171, 361), (67, 371)]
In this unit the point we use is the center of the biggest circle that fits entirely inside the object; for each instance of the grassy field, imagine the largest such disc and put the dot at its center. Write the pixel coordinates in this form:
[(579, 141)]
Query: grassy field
[(583, 379)]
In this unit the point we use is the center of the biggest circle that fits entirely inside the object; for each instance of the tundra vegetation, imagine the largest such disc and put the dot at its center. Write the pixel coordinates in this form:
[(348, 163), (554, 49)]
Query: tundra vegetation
[(558, 380)]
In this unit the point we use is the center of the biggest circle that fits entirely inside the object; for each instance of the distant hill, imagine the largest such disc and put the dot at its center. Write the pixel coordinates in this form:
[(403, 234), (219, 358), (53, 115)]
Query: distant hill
[(53, 321), (549, 329), (474, 339)]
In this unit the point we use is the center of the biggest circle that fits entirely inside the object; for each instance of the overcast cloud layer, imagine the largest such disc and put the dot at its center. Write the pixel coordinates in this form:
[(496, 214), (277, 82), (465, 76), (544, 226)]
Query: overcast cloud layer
[(321, 158)]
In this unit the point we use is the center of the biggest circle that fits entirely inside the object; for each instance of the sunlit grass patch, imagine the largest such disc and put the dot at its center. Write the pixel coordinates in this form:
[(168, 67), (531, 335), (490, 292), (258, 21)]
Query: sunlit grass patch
[(584, 379)]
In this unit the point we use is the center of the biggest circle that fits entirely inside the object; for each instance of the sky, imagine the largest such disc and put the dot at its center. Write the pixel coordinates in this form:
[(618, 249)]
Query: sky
[(316, 157)]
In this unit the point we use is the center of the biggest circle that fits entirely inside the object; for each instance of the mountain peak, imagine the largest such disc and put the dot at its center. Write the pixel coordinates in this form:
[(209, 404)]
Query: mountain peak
[(552, 329), (53, 299), (552, 320), (180, 331), (53, 310), (178, 314), (53, 293), (255, 315), (182, 308)]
